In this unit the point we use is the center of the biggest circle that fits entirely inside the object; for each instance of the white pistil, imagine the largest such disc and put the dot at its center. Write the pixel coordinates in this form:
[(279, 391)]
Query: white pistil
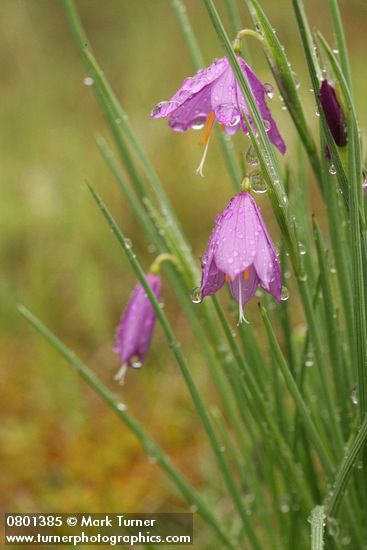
[(120, 375), (199, 169), (241, 316)]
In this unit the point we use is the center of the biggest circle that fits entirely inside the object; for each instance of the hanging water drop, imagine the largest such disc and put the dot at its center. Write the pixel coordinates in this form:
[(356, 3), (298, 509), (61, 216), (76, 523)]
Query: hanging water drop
[(251, 157), (88, 81), (309, 362), (269, 90), (135, 362), (333, 527), (257, 182), (284, 294), (302, 249), (332, 170), (354, 396), (198, 123), (196, 295), (128, 243)]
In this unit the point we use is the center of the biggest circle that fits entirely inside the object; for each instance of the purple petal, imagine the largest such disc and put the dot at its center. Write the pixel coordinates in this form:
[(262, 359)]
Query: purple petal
[(190, 87), (212, 279), (135, 330), (333, 113), (237, 236), (224, 99), (243, 287), (259, 94), (266, 261), (193, 112)]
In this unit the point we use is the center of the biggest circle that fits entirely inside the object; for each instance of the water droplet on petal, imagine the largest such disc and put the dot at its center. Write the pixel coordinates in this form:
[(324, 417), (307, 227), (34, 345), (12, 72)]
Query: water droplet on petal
[(332, 170), (177, 126), (158, 107), (198, 123), (269, 90), (251, 157), (284, 294), (196, 295), (267, 125), (88, 81)]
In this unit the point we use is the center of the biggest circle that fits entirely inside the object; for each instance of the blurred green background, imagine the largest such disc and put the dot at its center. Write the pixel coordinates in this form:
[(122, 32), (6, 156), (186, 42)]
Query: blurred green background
[(62, 449)]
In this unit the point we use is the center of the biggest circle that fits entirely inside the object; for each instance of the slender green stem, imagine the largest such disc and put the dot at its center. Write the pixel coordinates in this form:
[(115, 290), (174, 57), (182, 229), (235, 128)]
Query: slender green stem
[(345, 471), (317, 521), (261, 408), (323, 454), (358, 285), (181, 361), (340, 41), (151, 448)]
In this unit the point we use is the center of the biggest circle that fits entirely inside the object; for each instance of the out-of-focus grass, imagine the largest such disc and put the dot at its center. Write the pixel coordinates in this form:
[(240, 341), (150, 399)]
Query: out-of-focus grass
[(62, 448)]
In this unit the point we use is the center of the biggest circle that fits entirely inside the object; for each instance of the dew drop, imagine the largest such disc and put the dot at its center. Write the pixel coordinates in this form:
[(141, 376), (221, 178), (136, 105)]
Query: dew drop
[(257, 182), (198, 123), (88, 81), (317, 112), (269, 90), (121, 406), (135, 362), (336, 51), (251, 157), (196, 295), (284, 294), (128, 243), (302, 249), (332, 170), (333, 527), (309, 362), (267, 125), (157, 108), (354, 396)]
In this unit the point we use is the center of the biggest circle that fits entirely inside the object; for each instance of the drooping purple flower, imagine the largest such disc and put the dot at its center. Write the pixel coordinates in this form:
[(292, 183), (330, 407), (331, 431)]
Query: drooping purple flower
[(213, 93), (135, 330), (333, 113), (241, 252)]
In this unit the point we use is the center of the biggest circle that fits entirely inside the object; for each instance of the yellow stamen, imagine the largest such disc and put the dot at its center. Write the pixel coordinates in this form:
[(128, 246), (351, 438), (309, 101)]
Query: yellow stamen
[(228, 279), (206, 137), (208, 127), (246, 274)]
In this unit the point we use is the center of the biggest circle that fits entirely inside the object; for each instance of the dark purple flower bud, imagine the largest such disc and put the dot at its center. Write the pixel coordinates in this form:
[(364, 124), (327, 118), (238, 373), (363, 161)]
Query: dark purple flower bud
[(241, 252), (333, 113), (213, 93), (134, 333)]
